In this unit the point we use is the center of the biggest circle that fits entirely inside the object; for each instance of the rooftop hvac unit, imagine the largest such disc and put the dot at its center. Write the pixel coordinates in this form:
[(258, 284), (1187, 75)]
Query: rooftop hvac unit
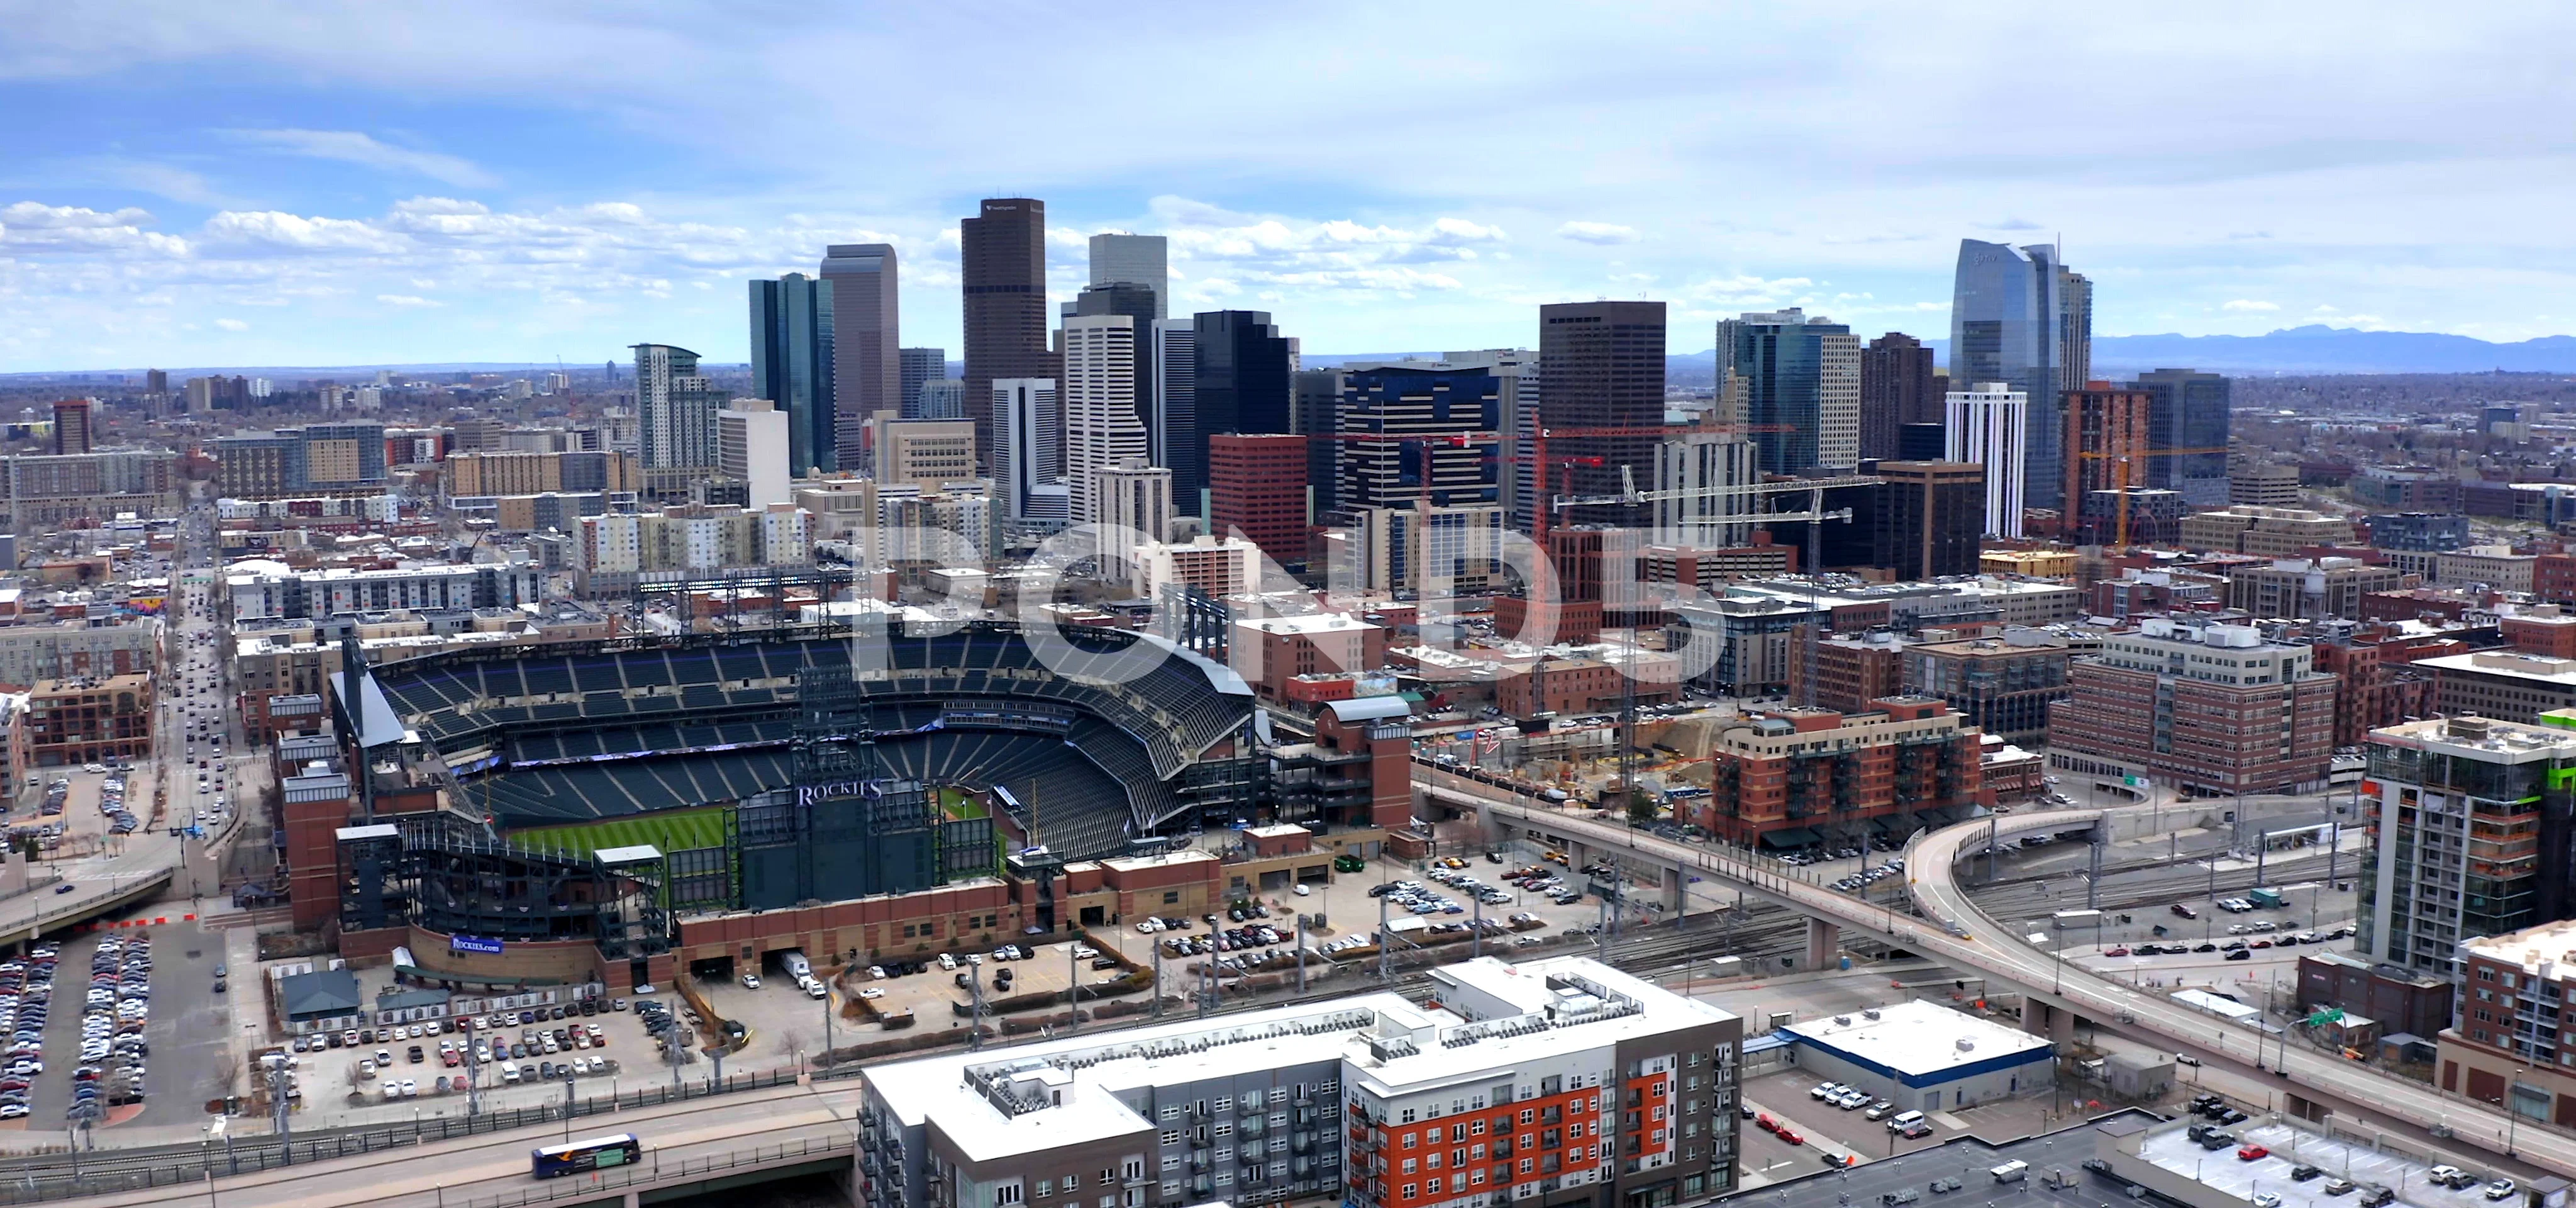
[(1869, 1013), (1967, 1044)]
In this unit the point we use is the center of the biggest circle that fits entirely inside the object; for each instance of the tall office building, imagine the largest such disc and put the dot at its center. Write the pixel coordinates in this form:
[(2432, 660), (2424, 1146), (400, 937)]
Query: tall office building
[(1601, 365), (676, 408), (1928, 518), (2007, 324), (1800, 373), (1029, 492), (1136, 301), (2105, 448), (1692, 473), (792, 365), (1415, 431), (71, 426), (2074, 327), (1987, 425), (1895, 390), (2176, 702), (1257, 485), (753, 443), (1242, 383), (1516, 372), (867, 369), (915, 366), (1136, 260), (1102, 428), (1128, 499), (1172, 367), (2188, 409), (1001, 255), (942, 398)]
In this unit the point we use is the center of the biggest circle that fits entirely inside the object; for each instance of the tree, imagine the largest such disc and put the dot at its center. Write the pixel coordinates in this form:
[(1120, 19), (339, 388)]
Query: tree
[(1641, 807)]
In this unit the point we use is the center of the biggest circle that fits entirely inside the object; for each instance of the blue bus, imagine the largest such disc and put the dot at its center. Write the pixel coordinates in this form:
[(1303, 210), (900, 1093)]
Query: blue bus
[(597, 1153)]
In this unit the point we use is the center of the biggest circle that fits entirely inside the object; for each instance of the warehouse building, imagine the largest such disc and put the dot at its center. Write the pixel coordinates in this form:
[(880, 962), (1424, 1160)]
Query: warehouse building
[(1923, 1057)]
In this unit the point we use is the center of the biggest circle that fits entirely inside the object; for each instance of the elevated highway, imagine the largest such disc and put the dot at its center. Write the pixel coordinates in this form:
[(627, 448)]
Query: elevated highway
[(137, 875), (1952, 930)]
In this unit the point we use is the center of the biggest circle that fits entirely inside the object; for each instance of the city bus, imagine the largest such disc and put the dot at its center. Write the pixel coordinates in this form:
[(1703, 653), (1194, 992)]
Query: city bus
[(597, 1153)]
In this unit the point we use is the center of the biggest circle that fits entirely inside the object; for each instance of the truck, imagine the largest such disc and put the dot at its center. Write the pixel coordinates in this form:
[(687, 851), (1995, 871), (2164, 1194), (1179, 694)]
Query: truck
[(793, 961), (2076, 918), (2264, 899)]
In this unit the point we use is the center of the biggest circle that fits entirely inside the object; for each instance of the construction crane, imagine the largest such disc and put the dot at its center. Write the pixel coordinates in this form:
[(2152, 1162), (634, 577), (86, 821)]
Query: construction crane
[(1540, 437), (2120, 476)]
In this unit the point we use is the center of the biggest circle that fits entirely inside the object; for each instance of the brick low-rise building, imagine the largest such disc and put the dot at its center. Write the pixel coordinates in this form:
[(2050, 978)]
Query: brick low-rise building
[(2512, 1040), (1796, 777), (2207, 708), (77, 721)]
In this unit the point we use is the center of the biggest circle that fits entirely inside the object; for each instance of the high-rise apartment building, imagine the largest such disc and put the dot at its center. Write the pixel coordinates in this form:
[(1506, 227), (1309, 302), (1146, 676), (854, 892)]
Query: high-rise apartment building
[(1418, 430), (1895, 389), (1601, 365), (1928, 518), (1133, 502), (1029, 491), (1102, 425), (1694, 475), (866, 332), (676, 407), (2189, 410), (1241, 382), (1801, 374), (1136, 260), (913, 367), (71, 426), (2007, 324), (2469, 822), (2209, 708), (2105, 447), (753, 443), (792, 363), (1987, 425), (1257, 485), (1561, 1073), (1001, 255)]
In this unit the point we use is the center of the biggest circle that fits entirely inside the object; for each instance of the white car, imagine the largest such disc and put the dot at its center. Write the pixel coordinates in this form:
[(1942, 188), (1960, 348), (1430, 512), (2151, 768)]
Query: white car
[(750, 981), (872, 992)]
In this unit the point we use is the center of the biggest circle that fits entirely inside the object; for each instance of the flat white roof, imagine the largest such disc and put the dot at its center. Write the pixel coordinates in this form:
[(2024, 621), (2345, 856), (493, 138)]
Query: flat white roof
[(2505, 662), (1917, 1038)]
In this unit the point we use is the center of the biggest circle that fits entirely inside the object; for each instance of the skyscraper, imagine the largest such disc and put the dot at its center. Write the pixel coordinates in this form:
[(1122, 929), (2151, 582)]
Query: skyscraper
[(1001, 256), (1423, 430), (1987, 425), (1928, 518), (1102, 429), (1690, 468), (1242, 383), (2188, 409), (1895, 390), (752, 441), (2106, 448), (675, 408), (2007, 324), (2075, 326), (867, 371), (1801, 373), (1516, 370), (1172, 362), (1257, 484), (917, 365), (1601, 365), (1136, 260), (792, 365), (1136, 301), (1313, 411), (1028, 471)]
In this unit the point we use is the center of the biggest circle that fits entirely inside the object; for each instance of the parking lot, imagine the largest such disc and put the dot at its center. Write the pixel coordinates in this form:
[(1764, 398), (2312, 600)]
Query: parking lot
[(430, 1062), (181, 1059)]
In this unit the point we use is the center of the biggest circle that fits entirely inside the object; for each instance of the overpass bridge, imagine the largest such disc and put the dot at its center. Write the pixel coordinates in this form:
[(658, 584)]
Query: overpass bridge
[(1951, 929), (140, 874)]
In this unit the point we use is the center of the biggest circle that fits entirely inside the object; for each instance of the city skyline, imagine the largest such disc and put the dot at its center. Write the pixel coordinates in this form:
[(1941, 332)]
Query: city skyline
[(205, 187)]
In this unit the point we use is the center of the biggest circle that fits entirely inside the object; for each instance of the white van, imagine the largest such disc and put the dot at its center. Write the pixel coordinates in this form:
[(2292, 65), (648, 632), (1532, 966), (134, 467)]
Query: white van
[(1903, 1120), (2011, 1172), (510, 1072)]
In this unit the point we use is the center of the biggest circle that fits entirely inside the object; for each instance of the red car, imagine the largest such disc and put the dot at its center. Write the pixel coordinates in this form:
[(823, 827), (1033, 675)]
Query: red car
[(1792, 1137), (2116, 952), (2251, 1153), (1766, 1123)]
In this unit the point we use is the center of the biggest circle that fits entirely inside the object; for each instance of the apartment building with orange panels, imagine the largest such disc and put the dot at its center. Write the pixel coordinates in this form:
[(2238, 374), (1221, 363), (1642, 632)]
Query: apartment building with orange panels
[(1796, 777), (1547, 1083)]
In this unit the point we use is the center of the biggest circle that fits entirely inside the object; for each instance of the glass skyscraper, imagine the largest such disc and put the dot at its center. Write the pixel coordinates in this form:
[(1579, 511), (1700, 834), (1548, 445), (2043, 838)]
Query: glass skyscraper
[(2007, 324), (791, 364), (2189, 411), (1800, 374)]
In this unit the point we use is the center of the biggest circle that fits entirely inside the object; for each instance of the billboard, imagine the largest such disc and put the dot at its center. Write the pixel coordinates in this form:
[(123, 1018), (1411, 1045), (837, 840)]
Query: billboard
[(473, 943)]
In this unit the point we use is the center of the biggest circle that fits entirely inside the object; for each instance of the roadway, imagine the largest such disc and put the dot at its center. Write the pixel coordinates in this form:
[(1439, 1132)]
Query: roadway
[(1962, 936)]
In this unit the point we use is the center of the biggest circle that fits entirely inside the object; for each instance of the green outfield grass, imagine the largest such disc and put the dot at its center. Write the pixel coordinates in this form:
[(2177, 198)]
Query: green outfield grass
[(669, 830)]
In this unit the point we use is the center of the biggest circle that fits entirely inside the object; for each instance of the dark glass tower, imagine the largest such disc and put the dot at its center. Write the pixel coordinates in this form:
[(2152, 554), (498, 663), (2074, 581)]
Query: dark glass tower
[(1896, 389), (918, 365), (791, 364), (1001, 255), (2188, 410), (1601, 365), (1242, 385), (2006, 325)]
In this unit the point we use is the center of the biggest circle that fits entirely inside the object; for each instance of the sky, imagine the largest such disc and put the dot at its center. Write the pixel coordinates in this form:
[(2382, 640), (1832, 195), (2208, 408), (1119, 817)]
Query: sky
[(316, 183)]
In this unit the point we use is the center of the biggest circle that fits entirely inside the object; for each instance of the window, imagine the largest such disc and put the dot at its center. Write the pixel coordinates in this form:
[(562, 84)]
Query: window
[(1172, 1137), (1171, 1161), (1411, 1190), (1528, 1116), (1412, 1166), (1434, 1185), (1476, 1129), (1072, 1182), (1225, 1130), (1046, 1187), (1170, 1112), (1171, 1189), (1527, 1165), (1407, 1118), (1135, 1168), (1409, 1140), (1431, 1161), (1171, 897), (1007, 1193)]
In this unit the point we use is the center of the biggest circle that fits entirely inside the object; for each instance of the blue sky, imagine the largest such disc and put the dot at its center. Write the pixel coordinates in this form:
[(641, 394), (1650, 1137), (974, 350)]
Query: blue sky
[(313, 184)]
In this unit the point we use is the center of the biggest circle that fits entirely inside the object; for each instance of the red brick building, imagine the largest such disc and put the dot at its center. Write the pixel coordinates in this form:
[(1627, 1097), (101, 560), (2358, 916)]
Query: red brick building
[(1258, 484), (2211, 708), (1270, 652), (2553, 578), (2551, 633), (77, 721), (1793, 777), (1851, 671)]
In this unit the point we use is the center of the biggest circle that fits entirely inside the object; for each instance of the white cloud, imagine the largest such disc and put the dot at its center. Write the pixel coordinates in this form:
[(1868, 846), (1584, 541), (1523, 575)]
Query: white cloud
[(272, 232), (232, 325), (1597, 232), (2243, 304), (30, 226), (354, 147), (406, 300)]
